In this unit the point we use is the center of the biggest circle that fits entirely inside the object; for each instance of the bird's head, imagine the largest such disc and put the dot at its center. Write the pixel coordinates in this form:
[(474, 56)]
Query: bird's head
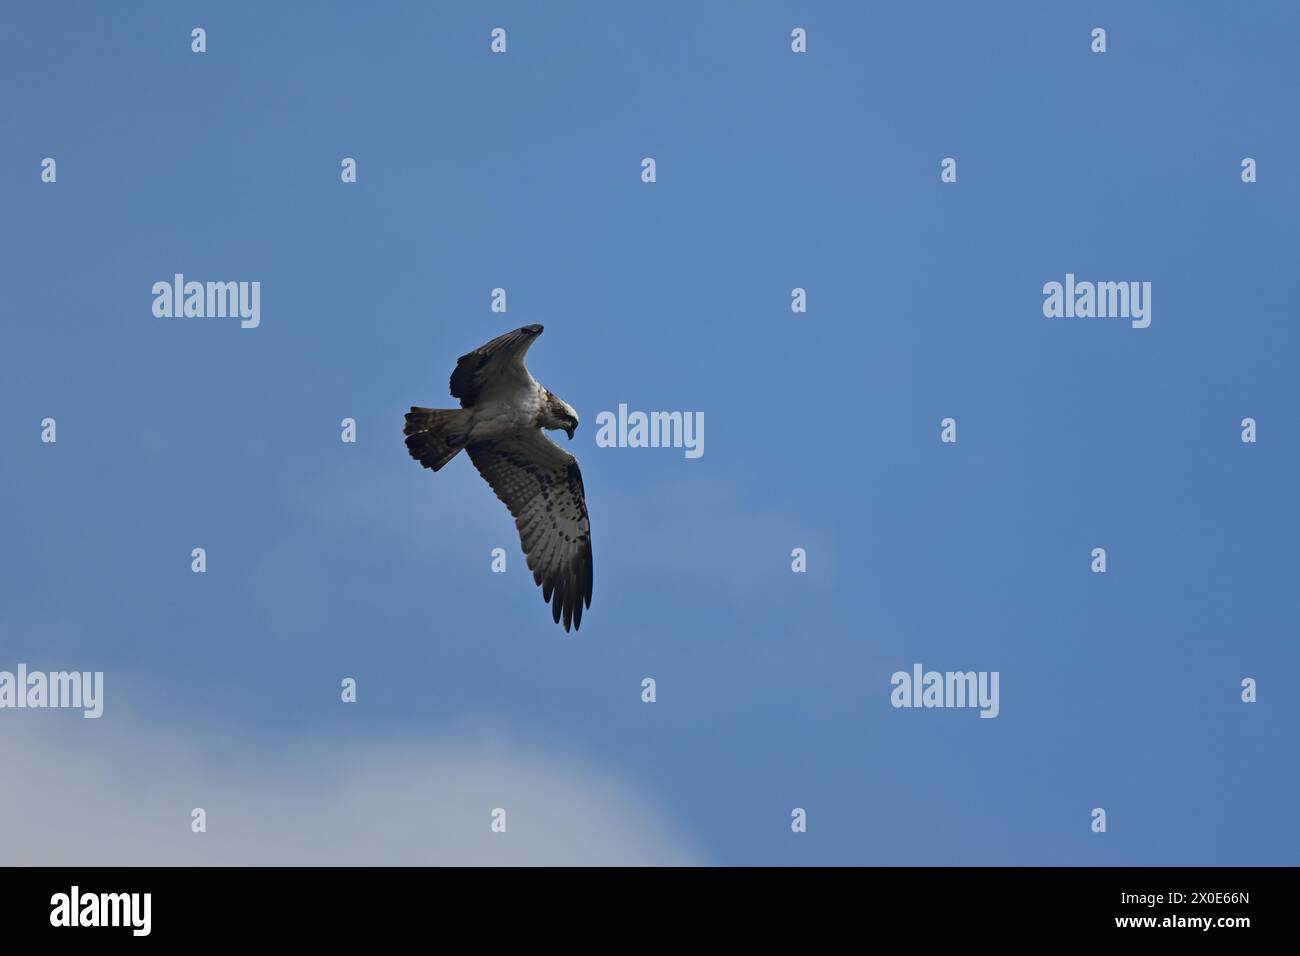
[(560, 415)]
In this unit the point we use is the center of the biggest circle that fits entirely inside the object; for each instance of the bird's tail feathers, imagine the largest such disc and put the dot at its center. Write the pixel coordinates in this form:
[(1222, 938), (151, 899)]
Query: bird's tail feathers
[(435, 435)]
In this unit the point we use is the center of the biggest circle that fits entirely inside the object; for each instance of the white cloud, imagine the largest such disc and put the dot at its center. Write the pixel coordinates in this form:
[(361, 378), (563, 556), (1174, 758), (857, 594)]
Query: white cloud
[(119, 792)]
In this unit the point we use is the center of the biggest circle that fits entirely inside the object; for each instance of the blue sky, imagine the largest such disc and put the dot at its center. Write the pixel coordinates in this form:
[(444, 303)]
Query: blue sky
[(775, 170)]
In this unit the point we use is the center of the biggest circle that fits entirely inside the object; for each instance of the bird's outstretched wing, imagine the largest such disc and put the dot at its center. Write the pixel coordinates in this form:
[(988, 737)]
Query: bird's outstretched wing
[(541, 485), (501, 359)]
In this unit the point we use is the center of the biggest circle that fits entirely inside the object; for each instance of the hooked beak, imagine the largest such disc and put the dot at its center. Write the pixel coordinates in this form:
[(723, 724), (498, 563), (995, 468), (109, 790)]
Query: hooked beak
[(570, 431)]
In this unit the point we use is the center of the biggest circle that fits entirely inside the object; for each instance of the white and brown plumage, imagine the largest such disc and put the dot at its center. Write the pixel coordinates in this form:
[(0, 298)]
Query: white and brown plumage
[(503, 409)]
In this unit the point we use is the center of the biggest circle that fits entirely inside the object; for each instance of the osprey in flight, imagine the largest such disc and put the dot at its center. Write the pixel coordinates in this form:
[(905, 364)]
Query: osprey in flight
[(502, 411)]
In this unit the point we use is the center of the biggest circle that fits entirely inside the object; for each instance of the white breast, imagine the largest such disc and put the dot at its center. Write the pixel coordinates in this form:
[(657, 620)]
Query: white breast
[(505, 409)]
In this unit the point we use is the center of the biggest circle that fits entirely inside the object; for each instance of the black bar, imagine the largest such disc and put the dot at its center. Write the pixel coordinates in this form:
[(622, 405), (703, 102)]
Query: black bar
[(378, 905)]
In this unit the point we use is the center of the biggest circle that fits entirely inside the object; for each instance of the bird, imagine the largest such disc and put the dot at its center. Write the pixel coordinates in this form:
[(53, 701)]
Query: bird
[(500, 426)]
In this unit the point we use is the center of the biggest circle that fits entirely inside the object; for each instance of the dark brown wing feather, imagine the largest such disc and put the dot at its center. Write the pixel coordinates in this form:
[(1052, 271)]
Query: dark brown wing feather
[(504, 355), (542, 486)]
